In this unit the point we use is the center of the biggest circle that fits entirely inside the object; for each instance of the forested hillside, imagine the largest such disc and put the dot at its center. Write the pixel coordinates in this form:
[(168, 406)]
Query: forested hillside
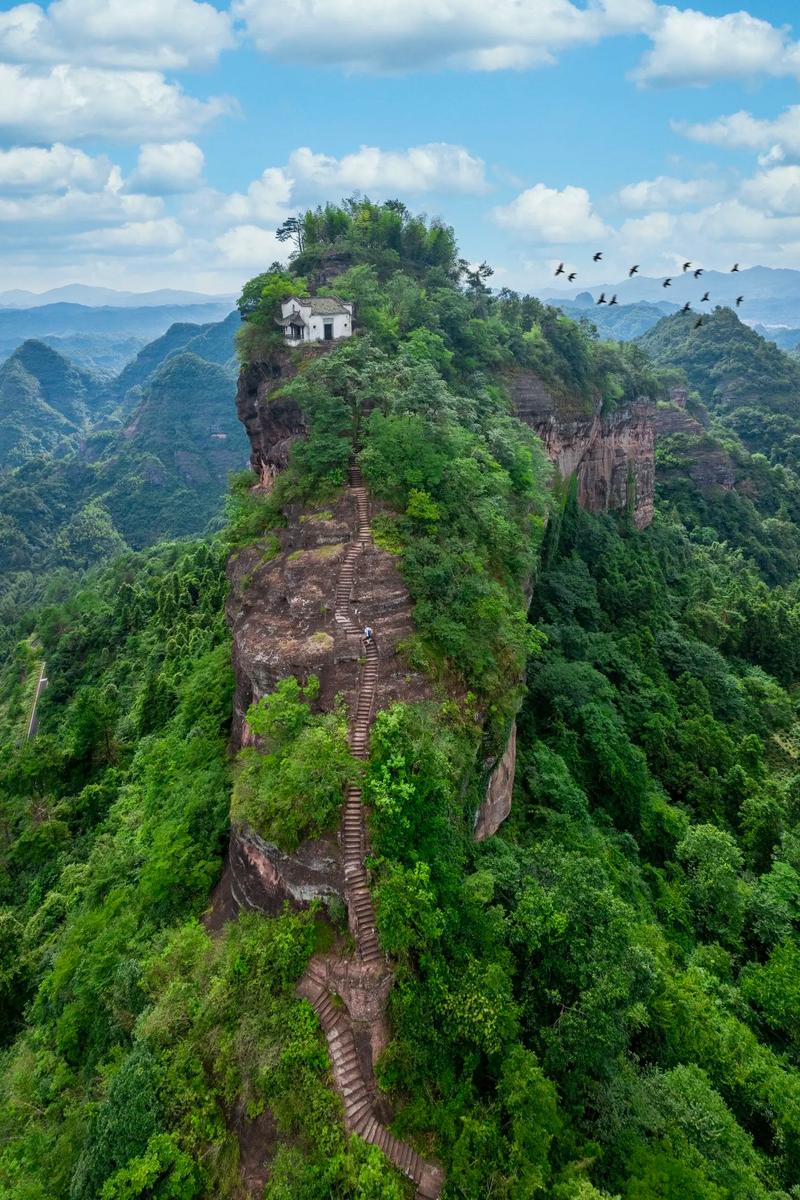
[(738, 374), (599, 1001), (97, 466)]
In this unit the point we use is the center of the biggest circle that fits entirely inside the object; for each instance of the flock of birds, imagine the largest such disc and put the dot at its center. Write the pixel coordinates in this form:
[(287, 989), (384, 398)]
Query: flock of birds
[(634, 270)]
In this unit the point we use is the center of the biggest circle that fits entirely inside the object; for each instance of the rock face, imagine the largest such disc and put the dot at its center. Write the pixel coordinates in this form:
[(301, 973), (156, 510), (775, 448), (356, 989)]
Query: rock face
[(612, 457), (271, 425), (497, 804), (261, 877), (686, 448), (281, 614), (272, 422)]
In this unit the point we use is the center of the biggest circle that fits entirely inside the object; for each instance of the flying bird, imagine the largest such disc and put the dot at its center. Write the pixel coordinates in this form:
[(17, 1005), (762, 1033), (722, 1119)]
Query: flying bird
[(602, 298), (705, 297), (739, 300), (686, 266), (698, 272), (613, 299), (633, 271), (560, 270), (698, 322), (667, 282), (596, 257), (687, 307), (573, 275), (735, 267)]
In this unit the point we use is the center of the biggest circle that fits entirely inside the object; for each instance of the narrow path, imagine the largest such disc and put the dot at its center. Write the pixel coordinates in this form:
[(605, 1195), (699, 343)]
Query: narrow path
[(357, 1092)]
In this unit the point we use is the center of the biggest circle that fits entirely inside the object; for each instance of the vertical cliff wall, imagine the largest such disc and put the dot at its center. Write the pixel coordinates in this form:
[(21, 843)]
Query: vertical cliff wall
[(612, 456)]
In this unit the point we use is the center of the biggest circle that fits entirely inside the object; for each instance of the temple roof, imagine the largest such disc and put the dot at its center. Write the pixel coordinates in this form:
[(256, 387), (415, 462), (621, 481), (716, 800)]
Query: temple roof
[(322, 306)]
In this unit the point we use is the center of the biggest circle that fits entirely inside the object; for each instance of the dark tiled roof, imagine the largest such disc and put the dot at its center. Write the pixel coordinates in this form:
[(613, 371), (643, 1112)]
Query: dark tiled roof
[(294, 318), (322, 306), (327, 306)]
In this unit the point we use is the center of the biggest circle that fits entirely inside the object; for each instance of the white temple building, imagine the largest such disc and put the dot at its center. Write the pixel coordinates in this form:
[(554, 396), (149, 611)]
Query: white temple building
[(316, 319)]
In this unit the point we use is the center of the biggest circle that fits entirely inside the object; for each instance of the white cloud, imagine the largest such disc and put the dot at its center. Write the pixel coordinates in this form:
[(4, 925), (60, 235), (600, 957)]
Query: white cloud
[(690, 47), (167, 168), (741, 130), (546, 214), (74, 209), (39, 169), (266, 198), (134, 236), (157, 34), (250, 246), (68, 102), (666, 191), (649, 231), (364, 35), (437, 166), (777, 190), (775, 154)]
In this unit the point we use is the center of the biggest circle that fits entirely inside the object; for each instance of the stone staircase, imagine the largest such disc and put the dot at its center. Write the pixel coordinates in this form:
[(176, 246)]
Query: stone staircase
[(356, 1091)]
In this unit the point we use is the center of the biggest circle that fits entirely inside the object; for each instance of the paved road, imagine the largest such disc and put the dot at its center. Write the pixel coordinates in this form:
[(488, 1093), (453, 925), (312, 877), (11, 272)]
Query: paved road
[(33, 724)]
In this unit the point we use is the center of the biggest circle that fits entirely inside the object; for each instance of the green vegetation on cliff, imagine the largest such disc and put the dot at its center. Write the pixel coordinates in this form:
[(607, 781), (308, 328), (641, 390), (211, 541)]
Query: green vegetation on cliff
[(745, 392), (601, 1000)]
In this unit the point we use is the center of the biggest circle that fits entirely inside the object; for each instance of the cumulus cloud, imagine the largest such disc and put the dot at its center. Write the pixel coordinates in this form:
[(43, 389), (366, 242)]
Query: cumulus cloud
[(667, 191), (546, 214), (155, 34), (690, 47), (741, 130), (75, 210), (134, 236), (777, 190), (650, 231), (66, 102), (166, 168), (687, 46), (361, 35), (41, 169), (437, 166), (250, 247), (266, 198)]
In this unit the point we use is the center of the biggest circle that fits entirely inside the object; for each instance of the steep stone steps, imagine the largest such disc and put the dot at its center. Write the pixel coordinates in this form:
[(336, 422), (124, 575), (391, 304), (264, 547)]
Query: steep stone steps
[(356, 1091)]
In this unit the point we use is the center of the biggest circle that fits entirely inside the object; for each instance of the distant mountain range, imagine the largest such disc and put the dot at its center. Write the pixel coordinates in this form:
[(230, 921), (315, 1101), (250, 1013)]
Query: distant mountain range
[(621, 322), (97, 297), (99, 337), (771, 295)]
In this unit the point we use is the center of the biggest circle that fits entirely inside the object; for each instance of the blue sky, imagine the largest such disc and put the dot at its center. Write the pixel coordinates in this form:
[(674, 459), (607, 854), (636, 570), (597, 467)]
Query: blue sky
[(150, 143)]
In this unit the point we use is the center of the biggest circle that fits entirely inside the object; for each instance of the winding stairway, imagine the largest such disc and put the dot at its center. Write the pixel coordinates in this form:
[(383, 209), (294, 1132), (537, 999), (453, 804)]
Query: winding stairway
[(355, 1088)]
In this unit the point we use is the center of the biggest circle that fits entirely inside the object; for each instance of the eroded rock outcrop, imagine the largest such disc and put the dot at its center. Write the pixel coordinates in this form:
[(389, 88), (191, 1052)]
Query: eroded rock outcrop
[(686, 448), (281, 612), (499, 792), (612, 456)]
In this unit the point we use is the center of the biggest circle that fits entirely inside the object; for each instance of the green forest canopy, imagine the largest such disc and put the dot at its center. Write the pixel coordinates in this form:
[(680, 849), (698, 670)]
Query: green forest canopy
[(600, 1001)]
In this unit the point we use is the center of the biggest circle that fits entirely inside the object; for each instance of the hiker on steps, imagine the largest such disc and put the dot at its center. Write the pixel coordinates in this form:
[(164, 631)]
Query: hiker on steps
[(368, 634)]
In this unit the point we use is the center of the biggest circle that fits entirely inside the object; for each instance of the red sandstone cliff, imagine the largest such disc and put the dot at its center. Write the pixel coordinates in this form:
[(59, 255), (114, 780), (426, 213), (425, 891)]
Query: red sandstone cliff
[(612, 456)]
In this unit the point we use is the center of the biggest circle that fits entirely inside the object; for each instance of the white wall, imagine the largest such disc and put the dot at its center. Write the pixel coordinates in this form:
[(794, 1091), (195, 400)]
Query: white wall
[(342, 323)]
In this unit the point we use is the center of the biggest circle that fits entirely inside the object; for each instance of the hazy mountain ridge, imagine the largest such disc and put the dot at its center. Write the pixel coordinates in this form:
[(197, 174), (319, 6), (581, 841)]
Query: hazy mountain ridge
[(771, 295), (69, 320), (86, 294)]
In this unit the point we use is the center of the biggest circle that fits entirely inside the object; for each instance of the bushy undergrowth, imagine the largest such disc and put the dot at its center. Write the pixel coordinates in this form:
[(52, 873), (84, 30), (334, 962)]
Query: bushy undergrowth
[(291, 788)]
